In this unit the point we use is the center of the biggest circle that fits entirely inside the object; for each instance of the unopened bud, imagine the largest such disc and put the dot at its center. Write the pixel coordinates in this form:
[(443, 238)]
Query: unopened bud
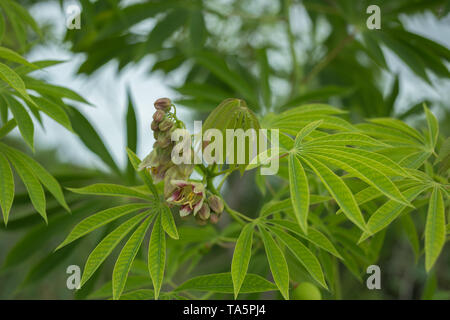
[(163, 104), (215, 203), (214, 218), (154, 125), (164, 142), (159, 115), (165, 125), (204, 212)]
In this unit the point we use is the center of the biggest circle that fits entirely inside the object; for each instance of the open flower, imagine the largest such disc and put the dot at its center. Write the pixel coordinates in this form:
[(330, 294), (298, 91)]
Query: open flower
[(189, 195)]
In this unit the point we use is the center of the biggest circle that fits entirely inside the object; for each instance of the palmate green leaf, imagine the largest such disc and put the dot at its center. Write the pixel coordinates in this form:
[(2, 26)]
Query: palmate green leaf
[(157, 255), (115, 190), (54, 111), (345, 139), (14, 80), (339, 190), (283, 205), (31, 182), (126, 257), (389, 167), (299, 189), (306, 130), (100, 219), (91, 139), (314, 236), (135, 161), (434, 228), (219, 68), (222, 283), (7, 127), (303, 254), (323, 93), (23, 119), (400, 126), (11, 55), (277, 263), (168, 222), (6, 187), (241, 257), (310, 109), (367, 172), (41, 173), (433, 128), (107, 245), (294, 122), (389, 211)]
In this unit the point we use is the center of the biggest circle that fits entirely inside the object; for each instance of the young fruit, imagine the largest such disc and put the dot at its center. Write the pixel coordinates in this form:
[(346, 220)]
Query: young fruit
[(306, 291)]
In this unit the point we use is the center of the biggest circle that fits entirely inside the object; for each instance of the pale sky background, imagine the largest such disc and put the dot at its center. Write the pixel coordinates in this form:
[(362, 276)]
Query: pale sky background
[(106, 90)]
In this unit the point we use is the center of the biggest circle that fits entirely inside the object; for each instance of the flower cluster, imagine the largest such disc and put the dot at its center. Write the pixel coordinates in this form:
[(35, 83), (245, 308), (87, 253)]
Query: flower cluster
[(190, 196), (178, 190)]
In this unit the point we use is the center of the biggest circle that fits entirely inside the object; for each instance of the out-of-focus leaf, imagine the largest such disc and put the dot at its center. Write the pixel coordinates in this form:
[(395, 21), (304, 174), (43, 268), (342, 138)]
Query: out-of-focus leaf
[(131, 135), (115, 190), (91, 139)]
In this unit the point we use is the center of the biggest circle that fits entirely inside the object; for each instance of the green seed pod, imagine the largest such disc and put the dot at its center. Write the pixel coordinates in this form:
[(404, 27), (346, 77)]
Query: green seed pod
[(215, 203), (163, 104)]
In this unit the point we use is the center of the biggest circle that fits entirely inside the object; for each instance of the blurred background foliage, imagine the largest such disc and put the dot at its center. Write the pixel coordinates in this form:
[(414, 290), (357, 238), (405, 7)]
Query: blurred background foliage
[(273, 54)]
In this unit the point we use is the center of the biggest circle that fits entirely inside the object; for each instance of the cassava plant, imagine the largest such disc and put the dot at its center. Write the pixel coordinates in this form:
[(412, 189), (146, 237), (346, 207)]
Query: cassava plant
[(361, 178), (338, 189)]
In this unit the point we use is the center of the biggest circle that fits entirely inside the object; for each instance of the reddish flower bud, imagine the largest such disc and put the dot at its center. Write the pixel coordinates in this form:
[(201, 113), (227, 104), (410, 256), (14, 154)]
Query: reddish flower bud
[(214, 218), (159, 115), (204, 212), (154, 125), (163, 104), (215, 203)]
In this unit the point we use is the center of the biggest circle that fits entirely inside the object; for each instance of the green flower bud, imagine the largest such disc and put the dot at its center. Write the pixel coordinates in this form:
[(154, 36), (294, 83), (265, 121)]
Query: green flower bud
[(159, 115), (165, 125), (163, 104), (215, 203)]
